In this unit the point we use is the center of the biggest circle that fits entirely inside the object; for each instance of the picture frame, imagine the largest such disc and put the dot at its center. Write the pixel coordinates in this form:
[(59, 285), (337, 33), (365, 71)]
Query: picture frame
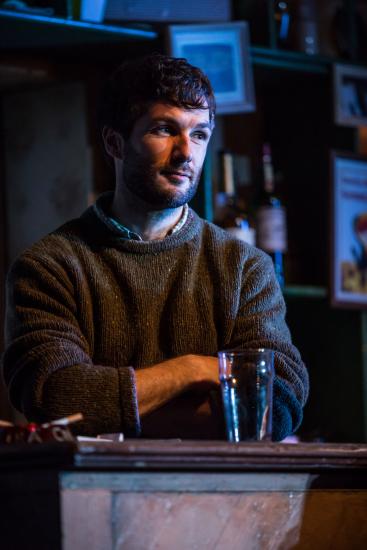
[(350, 95), (348, 230), (222, 51)]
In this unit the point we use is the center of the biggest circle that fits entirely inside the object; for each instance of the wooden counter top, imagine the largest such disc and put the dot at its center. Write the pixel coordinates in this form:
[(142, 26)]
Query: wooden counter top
[(183, 495), (138, 454), (180, 455)]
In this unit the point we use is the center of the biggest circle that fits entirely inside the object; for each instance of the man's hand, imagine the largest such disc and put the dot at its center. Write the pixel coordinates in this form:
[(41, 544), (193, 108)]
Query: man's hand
[(163, 382)]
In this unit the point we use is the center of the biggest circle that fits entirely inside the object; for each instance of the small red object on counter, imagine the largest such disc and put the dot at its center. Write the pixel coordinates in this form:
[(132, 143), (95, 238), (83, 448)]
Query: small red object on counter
[(57, 430)]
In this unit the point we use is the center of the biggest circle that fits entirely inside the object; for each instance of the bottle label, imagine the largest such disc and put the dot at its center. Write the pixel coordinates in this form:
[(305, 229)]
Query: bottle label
[(246, 234), (272, 229)]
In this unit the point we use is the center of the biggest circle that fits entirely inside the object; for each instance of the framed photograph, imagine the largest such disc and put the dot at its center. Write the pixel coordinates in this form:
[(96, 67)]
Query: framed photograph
[(350, 95), (222, 52), (348, 230)]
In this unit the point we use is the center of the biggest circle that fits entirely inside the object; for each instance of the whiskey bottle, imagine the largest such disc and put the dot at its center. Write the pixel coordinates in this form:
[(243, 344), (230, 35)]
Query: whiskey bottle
[(271, 227), (231, 211)]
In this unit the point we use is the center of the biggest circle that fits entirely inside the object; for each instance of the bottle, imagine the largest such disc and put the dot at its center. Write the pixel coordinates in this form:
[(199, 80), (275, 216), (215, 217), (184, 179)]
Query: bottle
[(307, 27), (231, 213), (271, 227), (282, 15)]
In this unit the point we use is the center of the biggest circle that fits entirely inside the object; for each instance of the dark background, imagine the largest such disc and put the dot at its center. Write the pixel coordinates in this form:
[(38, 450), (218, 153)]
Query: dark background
[(52, 166)]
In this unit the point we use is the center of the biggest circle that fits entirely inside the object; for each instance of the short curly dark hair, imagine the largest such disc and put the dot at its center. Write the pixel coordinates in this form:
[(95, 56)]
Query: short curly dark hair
[(155, 77)]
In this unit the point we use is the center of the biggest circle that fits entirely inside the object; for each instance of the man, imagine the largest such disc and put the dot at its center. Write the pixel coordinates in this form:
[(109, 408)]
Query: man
[(120, 314)]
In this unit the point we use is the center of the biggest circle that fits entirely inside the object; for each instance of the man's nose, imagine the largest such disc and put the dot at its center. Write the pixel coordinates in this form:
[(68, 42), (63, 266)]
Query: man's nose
[(182, 149)]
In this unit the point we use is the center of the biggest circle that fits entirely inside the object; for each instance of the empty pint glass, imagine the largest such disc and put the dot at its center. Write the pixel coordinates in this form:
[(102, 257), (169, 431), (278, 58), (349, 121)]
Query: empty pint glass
[(246, 378)]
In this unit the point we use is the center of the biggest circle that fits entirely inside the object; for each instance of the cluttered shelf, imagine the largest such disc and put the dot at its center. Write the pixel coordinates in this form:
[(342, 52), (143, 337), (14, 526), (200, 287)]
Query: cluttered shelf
[(291, 60), (23, 30), (19, 30)]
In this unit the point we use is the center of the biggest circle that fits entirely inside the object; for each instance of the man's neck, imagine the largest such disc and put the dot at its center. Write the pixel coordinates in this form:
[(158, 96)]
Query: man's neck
[(139, 217)]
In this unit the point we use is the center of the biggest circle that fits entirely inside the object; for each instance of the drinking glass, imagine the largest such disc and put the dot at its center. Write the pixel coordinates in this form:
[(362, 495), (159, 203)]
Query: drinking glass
[(246, 378)]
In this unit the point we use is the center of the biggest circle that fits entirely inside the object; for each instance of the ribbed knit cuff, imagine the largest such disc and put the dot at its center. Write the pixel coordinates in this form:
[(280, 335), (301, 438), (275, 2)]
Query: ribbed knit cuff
[(287, 412), (129, 402)]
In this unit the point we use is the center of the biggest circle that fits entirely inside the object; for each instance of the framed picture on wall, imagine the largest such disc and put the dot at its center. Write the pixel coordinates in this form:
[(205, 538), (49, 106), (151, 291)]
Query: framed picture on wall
[(348, 230), (222, 52), (350, 95)]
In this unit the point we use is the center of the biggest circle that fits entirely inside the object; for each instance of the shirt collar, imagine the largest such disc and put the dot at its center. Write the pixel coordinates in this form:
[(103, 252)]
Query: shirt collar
[(101, 209)]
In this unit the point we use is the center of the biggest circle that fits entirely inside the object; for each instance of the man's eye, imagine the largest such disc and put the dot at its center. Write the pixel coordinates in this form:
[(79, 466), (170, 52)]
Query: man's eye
[(201, 136), (162, 130)]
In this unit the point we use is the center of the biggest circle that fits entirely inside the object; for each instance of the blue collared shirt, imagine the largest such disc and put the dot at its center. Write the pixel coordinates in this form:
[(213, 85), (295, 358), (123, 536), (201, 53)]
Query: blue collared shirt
[(124, 232)]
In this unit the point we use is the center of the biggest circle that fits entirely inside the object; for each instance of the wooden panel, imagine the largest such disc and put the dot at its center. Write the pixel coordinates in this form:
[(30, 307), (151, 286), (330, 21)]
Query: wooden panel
[(173, 521), (179, 521), (46, 129), (212, 510), (86, 519), (187, 482)]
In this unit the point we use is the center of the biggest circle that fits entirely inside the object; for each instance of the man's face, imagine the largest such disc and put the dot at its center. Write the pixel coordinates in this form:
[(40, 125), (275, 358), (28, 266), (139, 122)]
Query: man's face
[(164, 155)]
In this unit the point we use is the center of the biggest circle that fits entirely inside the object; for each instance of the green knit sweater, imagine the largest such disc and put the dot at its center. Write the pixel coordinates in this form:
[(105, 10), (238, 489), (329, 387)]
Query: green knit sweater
[(85, 308)]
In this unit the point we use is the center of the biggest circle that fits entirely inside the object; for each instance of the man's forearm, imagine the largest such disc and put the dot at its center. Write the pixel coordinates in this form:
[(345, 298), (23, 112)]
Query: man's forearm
[(163, 382), (104, 395)]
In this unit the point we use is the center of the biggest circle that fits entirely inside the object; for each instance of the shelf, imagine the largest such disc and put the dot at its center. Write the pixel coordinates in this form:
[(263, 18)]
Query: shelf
[(296, 291), (20, 30), (295, 61)]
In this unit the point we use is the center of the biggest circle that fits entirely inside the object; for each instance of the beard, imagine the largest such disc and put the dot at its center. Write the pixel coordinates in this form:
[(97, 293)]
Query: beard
[(140, 178)]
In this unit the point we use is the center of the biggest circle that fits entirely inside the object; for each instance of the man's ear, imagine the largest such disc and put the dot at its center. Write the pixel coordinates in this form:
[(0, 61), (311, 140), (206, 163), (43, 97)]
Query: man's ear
[(113, 142)]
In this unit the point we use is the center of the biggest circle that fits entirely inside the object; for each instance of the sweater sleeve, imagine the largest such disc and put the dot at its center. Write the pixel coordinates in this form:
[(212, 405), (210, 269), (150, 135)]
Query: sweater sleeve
[(47, 364), (261, 324)]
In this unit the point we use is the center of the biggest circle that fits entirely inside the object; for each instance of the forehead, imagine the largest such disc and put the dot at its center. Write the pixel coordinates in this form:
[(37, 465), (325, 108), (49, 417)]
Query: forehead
[(163, 111)]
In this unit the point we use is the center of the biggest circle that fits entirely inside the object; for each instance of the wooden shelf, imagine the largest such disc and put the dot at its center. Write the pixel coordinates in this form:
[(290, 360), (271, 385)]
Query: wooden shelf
[(295, 61), (22, 30), (296, 291)]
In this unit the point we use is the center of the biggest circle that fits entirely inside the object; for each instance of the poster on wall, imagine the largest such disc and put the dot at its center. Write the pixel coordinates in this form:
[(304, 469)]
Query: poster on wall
[(349, 230), (222, 51), (350, 95)]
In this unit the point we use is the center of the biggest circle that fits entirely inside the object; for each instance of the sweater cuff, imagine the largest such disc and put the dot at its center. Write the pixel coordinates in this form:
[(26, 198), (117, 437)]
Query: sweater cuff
[(129, 402), (287, 411)]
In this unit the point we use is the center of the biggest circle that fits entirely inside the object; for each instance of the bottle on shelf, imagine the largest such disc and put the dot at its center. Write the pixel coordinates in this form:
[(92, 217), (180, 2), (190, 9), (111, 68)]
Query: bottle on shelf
[(231, 211), (307, 27), (283, 23), (271, 225), (297, 25)]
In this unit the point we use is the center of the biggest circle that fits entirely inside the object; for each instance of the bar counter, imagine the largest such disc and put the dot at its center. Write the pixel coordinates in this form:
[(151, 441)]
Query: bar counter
[(146, 494)]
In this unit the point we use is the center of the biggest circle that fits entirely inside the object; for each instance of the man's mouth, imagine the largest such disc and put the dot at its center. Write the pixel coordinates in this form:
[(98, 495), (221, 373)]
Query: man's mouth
[(176, 174)]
